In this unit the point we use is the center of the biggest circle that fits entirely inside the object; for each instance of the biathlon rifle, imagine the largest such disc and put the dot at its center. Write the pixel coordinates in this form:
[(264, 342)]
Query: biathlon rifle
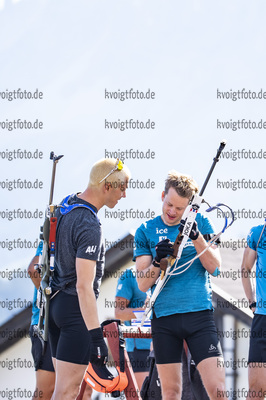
[(189, 217), (46, 266)]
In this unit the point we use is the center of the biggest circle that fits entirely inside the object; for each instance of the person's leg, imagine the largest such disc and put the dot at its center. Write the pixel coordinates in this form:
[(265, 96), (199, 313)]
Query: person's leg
[(257, 381), (68, 379), (45, 375), (45, 381), (213, 377), (257, 359), (171, 382), (139, 359), (140, 376), (88, 393), (70, 344), (205, 348), (168, 347)]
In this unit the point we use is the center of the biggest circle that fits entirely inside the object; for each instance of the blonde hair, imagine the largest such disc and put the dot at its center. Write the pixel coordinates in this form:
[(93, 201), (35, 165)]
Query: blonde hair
[(184, 185), (103, 167)]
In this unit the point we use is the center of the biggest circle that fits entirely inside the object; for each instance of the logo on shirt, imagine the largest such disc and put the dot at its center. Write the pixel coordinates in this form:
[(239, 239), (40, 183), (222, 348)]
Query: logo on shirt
[(160, 231), (162, 238), (91, 249), (188, 244)]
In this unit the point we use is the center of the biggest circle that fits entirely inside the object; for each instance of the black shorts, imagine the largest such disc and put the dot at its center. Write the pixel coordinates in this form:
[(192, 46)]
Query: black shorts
[(68, 334), (196, 328), (257, 348), (139, 360), (43, 362)]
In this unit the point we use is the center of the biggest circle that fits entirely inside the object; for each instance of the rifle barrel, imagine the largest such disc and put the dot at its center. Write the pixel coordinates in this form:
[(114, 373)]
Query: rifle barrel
[(215, 161)]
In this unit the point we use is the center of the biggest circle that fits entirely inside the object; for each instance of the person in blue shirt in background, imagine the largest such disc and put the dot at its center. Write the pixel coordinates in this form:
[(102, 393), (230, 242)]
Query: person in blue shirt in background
[(45, 375), (256, 252), (129, 298)]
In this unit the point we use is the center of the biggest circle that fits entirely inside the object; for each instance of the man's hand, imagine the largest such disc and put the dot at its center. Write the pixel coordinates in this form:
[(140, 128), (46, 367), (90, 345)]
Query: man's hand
[(98, 349), (163, 249), (194, 233)]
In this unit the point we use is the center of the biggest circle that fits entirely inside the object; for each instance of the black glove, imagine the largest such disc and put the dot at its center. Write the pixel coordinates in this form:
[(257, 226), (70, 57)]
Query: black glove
[(98, 348), (194, 233), (163, 249)]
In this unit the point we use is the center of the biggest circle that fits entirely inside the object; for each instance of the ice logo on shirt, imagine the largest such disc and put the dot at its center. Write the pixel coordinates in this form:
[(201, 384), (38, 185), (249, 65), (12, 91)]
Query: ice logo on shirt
[(162, 238), (158, 231), (91, 249)]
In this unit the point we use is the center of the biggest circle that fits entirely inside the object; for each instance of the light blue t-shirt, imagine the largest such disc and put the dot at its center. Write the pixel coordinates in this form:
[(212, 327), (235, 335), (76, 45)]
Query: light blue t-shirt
[(186, 292), (252, 241), (35, 309), (127, 288)]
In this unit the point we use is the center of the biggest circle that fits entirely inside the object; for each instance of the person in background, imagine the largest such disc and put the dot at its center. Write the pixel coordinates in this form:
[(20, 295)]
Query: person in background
[(255, 254), (129, 298), (45, 375)]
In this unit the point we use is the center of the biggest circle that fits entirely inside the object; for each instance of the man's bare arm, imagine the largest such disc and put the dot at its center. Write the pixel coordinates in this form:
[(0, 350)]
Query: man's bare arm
[(122, 311), (87, 301), (211, 258), (248, 261), (147, 274), (33, 274)]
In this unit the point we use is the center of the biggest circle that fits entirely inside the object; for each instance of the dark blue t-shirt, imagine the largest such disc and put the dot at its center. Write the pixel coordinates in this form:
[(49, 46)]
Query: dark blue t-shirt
[(78, 235)]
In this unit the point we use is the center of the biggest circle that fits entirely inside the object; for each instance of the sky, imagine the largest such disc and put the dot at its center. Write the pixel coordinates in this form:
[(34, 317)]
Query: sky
[(200, 63)]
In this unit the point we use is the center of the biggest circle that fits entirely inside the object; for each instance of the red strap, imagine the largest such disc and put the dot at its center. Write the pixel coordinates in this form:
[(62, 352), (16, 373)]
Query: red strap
[(53, 222)]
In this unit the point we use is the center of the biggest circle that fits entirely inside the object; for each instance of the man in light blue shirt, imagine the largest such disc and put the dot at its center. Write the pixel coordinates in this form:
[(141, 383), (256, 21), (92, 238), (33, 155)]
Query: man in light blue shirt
[(255, 254), (183, 309)]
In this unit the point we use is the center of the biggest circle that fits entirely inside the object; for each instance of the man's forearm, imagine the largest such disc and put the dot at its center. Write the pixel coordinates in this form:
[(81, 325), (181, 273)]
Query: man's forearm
[(210, 259), (126, 314), (88, 307), (147, 277), (33, 274), (246, 282), (249, 258)]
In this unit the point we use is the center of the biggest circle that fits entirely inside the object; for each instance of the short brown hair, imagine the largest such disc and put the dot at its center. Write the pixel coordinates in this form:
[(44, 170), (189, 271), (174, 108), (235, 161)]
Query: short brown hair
[(184, 185)]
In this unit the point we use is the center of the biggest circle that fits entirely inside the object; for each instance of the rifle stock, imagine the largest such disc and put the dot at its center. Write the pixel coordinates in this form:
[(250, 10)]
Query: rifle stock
[(46, 266)]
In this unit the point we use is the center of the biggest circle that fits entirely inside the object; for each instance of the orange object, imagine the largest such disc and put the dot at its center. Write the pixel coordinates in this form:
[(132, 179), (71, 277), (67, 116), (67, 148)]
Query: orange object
[(101, 380)]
